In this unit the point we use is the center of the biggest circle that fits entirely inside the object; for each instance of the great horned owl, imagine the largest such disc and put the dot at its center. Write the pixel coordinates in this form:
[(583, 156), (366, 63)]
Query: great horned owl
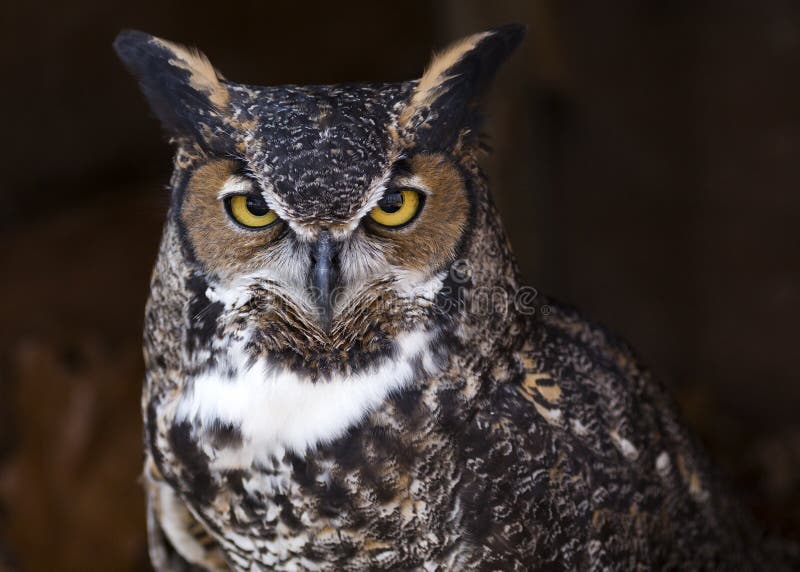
[(343, 371)]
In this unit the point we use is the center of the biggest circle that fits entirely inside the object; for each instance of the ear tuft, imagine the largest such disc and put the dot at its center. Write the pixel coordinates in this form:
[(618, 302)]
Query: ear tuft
[(182, 86), (439, 70), (448, 94)]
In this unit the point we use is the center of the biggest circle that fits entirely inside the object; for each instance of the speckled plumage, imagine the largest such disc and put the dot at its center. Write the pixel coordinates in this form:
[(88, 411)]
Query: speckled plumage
[(445, 418)]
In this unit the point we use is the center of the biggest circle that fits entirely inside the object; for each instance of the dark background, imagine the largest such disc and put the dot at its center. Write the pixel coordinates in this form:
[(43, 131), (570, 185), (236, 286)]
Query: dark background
[(647, 161)]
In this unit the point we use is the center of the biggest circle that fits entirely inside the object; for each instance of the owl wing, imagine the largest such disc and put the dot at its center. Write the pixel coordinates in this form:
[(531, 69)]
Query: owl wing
[(178, 542), (601, 448)]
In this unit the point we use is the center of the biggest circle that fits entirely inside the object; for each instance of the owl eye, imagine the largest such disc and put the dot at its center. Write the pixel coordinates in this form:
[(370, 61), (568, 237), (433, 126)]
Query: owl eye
[(397, 207), (251, 211)]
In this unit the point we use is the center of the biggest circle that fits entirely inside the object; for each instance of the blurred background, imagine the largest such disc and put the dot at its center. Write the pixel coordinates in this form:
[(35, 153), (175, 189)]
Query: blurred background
[(647, 164)]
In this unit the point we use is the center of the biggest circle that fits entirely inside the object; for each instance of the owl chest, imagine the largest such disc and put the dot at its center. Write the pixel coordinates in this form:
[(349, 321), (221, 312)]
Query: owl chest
[(369, 496), (367, 485)]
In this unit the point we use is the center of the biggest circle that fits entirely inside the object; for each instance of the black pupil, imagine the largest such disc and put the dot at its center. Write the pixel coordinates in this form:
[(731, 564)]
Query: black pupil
[(391, 202), (257, 206)]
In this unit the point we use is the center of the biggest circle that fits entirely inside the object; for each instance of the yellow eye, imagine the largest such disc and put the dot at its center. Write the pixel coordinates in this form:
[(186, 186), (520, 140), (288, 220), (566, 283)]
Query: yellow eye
[(397, 207), (251, 211)]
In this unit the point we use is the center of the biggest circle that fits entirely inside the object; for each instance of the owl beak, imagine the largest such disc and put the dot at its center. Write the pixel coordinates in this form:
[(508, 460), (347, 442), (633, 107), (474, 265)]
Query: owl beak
[(324, 273)]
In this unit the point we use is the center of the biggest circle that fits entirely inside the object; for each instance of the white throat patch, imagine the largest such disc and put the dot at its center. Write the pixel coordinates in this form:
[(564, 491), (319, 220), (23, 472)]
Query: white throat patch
[(276, 409)]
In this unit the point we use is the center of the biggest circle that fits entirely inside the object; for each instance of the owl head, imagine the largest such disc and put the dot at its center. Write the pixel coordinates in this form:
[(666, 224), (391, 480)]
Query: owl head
[(319, 225)]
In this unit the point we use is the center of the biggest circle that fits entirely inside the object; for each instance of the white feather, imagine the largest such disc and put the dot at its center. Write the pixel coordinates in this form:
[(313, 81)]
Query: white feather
[(276, 408)]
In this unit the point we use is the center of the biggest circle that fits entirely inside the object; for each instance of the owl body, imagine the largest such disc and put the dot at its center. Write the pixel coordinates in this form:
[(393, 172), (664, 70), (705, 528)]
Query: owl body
[(344, 373)]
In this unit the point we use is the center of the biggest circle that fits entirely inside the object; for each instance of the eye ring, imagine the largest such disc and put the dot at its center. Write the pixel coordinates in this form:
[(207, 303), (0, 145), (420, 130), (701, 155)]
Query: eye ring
[(250, 211), (397, 208)]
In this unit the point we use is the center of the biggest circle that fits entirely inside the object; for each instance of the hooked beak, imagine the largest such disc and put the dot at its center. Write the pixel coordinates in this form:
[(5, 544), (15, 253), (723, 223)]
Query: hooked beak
[(324, 273)]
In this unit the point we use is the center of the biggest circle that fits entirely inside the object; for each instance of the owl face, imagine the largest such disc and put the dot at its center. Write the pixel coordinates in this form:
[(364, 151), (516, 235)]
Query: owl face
[(317, 225), (327, 207), (312, 203)]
